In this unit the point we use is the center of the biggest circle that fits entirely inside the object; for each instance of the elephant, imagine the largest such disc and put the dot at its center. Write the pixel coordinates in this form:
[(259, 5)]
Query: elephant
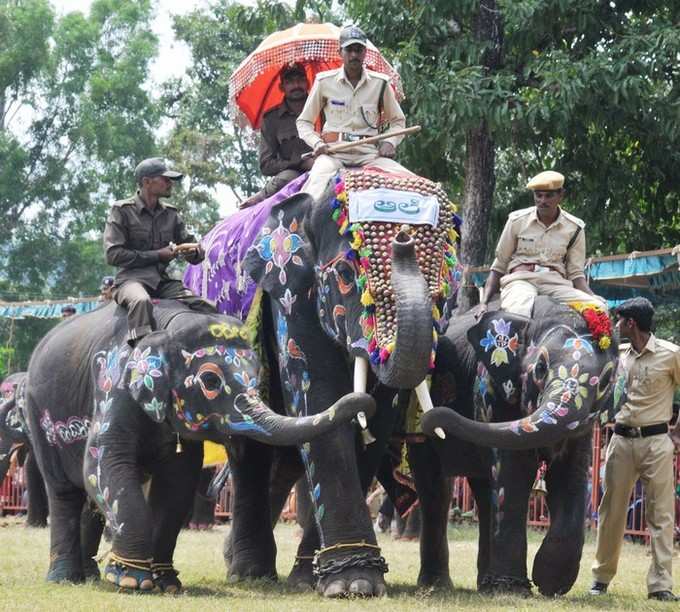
[(519, 391), (102, 415), (14, 439), (346, 305)]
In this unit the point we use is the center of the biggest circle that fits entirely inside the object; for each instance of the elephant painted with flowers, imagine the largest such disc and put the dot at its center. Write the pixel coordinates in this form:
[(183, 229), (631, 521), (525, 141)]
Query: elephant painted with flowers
[(347, 303), (530, 389), (102, 415)]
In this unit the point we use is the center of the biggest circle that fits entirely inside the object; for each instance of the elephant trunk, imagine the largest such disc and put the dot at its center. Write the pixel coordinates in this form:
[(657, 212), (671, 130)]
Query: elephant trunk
[(410, 361), (7, 431), (264, 425), (542, 428)]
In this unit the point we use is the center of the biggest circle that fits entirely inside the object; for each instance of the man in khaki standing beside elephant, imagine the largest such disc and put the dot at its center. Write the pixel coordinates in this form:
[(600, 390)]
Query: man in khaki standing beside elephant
[(641, 448), (542, 250)]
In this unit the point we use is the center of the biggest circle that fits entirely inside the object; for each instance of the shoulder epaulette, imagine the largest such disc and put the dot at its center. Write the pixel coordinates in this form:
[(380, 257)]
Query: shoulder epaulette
[(377, 75), (516, 214), (168, 205), (580, 222), (125, 202), (327, 73)]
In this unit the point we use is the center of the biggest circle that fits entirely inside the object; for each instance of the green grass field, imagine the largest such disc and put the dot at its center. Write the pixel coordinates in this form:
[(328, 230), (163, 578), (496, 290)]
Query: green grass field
[(24, 557)]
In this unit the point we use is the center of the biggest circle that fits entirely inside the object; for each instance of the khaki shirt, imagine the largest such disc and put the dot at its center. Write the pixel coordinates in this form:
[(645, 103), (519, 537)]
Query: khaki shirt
[(133, 236), (525, 240), (348, 109), (280, 146), (651, 379)]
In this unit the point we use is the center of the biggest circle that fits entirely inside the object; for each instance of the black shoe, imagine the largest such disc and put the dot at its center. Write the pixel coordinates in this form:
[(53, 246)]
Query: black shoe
[(598, 588), (662, 596)]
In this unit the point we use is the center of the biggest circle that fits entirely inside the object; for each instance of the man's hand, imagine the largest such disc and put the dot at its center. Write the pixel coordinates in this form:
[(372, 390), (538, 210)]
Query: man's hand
[(675, 438), (482, 310), (386, 149), (321, 149), (166, 254)]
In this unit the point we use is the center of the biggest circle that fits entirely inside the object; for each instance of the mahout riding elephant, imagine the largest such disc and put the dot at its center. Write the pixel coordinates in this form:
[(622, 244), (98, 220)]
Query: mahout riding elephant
[(531, 389), (14, 440), (347, 303), (102, 415)]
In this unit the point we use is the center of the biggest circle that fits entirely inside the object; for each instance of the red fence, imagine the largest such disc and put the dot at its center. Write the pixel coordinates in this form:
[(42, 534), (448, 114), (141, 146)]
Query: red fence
[(12, 498)]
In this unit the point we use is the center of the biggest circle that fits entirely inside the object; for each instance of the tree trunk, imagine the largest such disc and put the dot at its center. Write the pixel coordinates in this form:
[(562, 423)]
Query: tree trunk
[(480, 176)]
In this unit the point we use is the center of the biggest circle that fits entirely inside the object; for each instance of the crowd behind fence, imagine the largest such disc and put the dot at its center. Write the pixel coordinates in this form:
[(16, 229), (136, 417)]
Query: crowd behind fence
[(13, 498)]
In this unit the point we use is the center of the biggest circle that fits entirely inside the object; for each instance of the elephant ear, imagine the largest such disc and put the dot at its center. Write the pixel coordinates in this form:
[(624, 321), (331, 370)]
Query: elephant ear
[(279, 259), (147, 375), (499, 340)]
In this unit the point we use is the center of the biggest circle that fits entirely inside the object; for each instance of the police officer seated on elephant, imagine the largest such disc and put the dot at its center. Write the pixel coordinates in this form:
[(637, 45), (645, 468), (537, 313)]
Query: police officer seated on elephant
[(542, 250), (142, 236), (281, 148), (355, 103)]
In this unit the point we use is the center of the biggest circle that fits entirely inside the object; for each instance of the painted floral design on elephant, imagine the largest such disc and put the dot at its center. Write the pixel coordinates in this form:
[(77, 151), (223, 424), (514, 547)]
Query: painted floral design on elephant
[(500, 341), (278, 247)]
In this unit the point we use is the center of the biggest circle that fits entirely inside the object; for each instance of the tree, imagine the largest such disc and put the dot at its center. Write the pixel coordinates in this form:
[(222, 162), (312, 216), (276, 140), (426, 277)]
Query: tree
[(589, 88), (217, 148)]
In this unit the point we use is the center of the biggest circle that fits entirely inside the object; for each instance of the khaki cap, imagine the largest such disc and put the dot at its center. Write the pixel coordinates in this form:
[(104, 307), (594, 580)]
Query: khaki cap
[(546, 181)]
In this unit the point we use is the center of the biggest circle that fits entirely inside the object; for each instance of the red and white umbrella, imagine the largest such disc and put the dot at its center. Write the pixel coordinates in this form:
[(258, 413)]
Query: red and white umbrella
[(254, 85)]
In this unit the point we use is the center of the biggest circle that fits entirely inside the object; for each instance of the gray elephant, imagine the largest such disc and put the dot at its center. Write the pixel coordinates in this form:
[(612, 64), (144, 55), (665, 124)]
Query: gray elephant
[(531, 389), (101, 415), (14, 439), (347, 303)]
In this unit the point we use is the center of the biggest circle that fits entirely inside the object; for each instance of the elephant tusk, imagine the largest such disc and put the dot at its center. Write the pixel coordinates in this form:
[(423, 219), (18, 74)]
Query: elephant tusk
[(423, 394), (360, 380)]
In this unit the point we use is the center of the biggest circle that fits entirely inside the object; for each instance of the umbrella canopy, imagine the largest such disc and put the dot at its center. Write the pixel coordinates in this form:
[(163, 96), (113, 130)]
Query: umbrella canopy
[(254, 86)]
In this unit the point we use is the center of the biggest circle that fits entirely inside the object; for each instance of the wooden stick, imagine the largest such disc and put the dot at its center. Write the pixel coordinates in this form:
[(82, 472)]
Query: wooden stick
[(337, 148)]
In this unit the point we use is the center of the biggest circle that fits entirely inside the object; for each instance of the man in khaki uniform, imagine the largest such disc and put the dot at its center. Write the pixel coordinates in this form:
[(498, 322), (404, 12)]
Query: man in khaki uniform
[(641, 447), (142, 236), (352, 100), (281, 148), (542, 250)]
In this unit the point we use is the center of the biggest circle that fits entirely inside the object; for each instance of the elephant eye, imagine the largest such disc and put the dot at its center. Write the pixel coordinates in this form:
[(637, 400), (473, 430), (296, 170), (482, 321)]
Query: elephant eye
[(345, 273), (540, 370), (211, 381)]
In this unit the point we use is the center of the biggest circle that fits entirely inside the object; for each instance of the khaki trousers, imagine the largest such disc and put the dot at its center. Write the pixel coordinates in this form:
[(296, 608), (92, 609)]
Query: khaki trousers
[(136, 298), (650, 459), (519, 289), (325, 167)]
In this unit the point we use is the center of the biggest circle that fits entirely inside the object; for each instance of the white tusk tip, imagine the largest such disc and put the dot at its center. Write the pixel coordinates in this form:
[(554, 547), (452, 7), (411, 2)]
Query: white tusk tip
[(440, 433), (361, 417)]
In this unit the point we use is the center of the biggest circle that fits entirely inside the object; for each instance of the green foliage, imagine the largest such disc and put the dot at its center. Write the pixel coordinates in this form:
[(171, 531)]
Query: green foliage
[(588, 88), (204, 137)]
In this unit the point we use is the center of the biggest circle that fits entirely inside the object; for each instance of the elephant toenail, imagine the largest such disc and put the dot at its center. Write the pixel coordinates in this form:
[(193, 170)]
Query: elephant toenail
[(361, 586), (337, 588)]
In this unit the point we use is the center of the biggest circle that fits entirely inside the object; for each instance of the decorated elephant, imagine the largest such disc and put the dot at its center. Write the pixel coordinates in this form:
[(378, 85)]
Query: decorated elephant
[(531, 389), (14, 441), (350, 300), (102, 415)]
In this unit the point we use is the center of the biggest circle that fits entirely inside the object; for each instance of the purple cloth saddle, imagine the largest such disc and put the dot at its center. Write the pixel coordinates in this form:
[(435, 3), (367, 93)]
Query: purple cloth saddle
[(220, 277)]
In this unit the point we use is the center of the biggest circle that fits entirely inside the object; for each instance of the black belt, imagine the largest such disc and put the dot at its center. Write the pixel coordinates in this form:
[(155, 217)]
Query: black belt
[(640, 432)]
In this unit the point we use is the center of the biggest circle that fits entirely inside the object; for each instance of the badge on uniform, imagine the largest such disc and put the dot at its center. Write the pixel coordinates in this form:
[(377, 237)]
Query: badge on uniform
[(338, 102)]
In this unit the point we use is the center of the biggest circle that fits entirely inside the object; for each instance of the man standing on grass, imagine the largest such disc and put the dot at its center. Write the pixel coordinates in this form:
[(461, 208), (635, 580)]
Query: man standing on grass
[(641, 448)]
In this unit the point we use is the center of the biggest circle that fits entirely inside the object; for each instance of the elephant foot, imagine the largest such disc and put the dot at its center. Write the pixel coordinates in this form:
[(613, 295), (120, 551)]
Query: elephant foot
[(301, 577), (91, 570), (433, 581), (65, 569), (353, 582), (505, 585), (128, 578), (241, 569), (165, 578), (556, 566)]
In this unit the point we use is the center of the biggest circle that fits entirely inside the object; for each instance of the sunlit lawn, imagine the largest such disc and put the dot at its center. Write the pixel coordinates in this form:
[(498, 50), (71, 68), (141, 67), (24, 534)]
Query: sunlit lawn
[(24, 556)]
